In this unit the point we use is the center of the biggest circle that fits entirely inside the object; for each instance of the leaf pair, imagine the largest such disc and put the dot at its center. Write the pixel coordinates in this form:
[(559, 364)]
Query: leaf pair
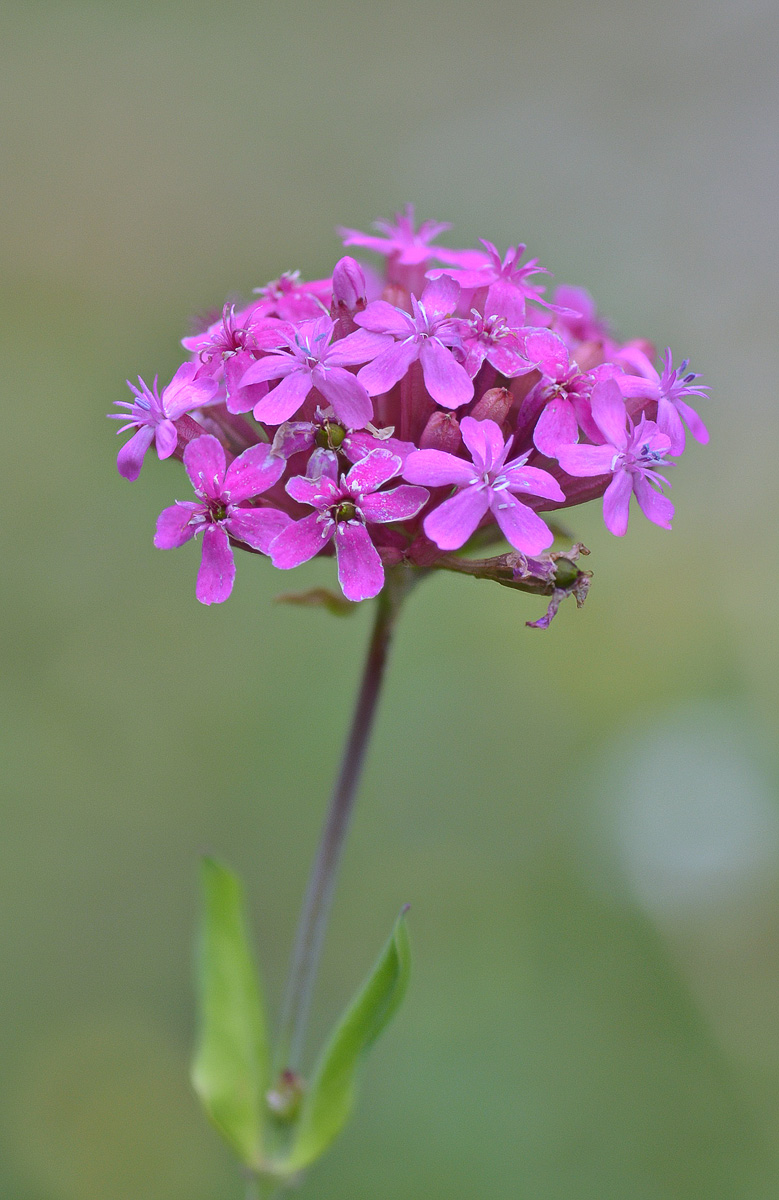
[(231, 1068)]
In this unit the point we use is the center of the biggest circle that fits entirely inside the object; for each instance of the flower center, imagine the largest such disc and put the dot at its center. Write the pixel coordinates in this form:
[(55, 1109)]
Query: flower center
[(345, 511), (329, 436)]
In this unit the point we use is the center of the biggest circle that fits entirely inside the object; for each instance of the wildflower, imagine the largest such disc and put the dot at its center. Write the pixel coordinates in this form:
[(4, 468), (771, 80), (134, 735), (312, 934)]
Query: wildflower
[(154, 416), (426, 334), (507, 279), (669, 390), (291, 299), (219, 513), (308, 361), (344, 508), (630, 454), (486, 484)]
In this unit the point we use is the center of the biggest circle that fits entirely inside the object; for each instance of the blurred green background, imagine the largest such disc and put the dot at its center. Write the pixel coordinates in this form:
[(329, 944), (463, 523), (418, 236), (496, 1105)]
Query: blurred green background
[(585, 821)]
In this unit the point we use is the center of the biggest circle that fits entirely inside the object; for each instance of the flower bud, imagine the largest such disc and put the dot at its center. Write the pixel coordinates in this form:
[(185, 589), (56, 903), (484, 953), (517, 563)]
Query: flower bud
[(442, 432), (349, 290), (494, 406)]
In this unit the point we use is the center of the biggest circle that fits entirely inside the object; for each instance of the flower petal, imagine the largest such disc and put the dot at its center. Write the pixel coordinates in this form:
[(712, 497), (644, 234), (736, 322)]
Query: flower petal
[(360, 572), (166, 438), (522, 527), (283, 401), (441, 296), (653, 504), (586, 460), (448, 383), (357, 347), (252, 473), (205, 462), (173, 525), (557, 426), (389, 367), (608, 412), (694, 423), (452, 523), (271, 366), (381, 317), (185, 392), (485, 442), (319, 491), (347, 395), (217, 567), (616, 503), (258, 527), (436, 468), (535, 481), (129, 460), (372, 471), (399, 504), (300, 541)]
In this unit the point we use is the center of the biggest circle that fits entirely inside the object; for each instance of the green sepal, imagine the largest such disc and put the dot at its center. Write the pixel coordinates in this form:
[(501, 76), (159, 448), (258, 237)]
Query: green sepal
[(329, 1098), (230, 1068)]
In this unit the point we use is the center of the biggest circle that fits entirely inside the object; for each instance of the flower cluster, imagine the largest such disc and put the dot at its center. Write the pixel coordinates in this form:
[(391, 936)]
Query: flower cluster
[(397, 419)]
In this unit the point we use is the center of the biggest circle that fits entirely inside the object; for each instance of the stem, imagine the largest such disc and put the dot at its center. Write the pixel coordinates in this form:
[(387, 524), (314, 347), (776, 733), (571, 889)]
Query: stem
[(319, 894)]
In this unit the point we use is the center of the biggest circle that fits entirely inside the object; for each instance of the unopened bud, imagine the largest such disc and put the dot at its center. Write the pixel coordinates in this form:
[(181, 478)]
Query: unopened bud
[(442, 432), (494, 406), (349, 290)]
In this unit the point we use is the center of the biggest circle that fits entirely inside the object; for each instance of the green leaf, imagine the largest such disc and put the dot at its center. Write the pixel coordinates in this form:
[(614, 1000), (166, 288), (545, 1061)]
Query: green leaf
[(230, 1067), (330, 1096), (320, 597)]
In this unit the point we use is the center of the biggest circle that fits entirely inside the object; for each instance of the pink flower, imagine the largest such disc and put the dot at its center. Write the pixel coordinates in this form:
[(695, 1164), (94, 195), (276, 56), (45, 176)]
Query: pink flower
[(560, 402), (669, 390), (495, 339), (403, 243), (292, 300), (153, 415), (309, 361), (343, 510), (426, 334), (507, 279), (486, 484), (218, 513), (630, 454), (230, 345)]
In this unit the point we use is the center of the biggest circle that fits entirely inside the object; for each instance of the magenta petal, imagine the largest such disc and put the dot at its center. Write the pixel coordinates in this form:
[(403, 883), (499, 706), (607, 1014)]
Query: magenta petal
[(608, 412), (441, 296), (616, 503), (257, 526), (452, 523), (399, 504), (173, 525), (272, 366), (653, 504), (166, 438), (347, 395), (372, 471), (437, 469), (557, 426), (358, 347), (485, 442), (522, 527), (217, 567), (669, 422), (448, 383), (205, 462), (694, 423), (300, 541), (534, 481), (548, 353), (381, 317), (252, 473), (317, 490), (390, 366), (360, 572), (286, 398), (185, 392), (129, 460), (586, 460)]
